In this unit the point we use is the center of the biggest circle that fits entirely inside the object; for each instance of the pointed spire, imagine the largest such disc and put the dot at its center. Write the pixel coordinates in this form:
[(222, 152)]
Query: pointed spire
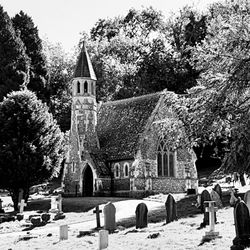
[(84, 66)]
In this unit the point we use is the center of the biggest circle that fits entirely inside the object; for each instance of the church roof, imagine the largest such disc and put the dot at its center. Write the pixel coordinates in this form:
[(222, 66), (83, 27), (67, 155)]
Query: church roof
[(84, 66), (120, 124)]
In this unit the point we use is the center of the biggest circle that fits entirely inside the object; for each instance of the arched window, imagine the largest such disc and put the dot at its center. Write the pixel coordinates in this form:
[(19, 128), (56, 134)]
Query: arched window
[(126, 169), (92, 88), (165, 159), (85, 87), (117, 170), (78, 87)]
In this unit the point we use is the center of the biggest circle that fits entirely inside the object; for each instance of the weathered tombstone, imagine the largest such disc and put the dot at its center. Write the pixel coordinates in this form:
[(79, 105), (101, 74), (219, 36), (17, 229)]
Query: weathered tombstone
[(20, 195), (215, 197), (171, 209), (53, 205), (242, 226), (109, 217), (63, 232), (211, 209), (103, 239), (21, 205), (141, 213), (247, 199), (205, 196), (217, 188), (1, 207), (97, 211), (59, 202)]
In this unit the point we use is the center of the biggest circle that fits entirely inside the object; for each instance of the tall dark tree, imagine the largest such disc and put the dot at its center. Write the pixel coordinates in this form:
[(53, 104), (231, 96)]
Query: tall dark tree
[(14, 63), (31, 145), (24, 25)]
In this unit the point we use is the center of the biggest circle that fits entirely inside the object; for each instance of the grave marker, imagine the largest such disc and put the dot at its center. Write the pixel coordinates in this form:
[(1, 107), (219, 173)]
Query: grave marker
[(211, 209), (103, 239), (53, 205), (247, 199), (141, 213), (97, 211), (171, 209), (217, 188), (109, 217), (216, 197), (63, 232), (242, 226), (59, 204), (21, 205)]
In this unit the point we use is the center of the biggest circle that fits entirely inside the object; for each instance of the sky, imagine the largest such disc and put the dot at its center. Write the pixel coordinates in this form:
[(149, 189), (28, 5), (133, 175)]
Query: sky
[(62, 21)]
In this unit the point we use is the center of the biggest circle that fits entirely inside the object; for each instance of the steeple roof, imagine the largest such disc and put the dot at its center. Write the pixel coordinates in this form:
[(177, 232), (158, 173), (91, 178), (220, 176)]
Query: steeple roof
[(84, 66)]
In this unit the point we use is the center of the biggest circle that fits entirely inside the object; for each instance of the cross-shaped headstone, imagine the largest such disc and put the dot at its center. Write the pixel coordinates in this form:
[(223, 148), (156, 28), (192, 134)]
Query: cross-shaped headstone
[(211, 209), (21, 205), (97, 211)]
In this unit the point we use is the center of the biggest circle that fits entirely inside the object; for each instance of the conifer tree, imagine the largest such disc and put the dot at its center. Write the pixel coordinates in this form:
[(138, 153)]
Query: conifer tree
[(31, 145), (38, 72), (14, 63)]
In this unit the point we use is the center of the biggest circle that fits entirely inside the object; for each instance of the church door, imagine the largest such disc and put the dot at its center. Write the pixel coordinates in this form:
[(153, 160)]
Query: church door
[(87, 182)]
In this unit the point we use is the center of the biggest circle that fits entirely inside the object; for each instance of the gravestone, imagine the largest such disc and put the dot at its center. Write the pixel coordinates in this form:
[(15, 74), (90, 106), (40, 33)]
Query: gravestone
[(215, 197), (247, 199), (141, 213), (211, 209), (205, 196), (53, 205), (217, 188), (242, 226), (171, 209), (59, 202), (109, 217), (63, 234), (20, 195), (97, 211), (21, 205), (103, 239), (1, 207)]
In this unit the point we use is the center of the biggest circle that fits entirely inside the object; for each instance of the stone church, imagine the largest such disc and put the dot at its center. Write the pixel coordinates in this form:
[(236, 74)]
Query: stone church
[(115, 148)]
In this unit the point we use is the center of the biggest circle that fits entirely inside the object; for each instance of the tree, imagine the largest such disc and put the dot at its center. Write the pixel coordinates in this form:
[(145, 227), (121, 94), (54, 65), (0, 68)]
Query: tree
[(14, 63), (60, 68), (24, 25), (220, 107), (31, 146)]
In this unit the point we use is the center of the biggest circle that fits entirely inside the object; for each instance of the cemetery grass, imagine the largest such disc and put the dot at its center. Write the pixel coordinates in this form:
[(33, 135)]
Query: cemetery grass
[(181, 234)]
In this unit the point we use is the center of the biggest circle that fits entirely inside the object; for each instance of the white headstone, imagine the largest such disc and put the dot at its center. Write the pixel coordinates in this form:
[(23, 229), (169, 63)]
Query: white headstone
[(103, 239), (21, 205), (63, 234), (53, 205), (216, 197)]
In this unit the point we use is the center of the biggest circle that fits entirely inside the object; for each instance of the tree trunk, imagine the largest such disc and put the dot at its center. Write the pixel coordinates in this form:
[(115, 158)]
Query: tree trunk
[(14, 196)]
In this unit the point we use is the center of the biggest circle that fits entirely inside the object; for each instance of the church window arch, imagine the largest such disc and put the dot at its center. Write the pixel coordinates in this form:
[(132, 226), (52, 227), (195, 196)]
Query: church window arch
[(126, 169), (165, 159), (85, 87), (78, 87), (92, 88), (117, 170)]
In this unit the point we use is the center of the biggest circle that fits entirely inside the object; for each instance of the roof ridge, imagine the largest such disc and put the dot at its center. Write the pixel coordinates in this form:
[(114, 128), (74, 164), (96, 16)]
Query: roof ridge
[(130, 99)]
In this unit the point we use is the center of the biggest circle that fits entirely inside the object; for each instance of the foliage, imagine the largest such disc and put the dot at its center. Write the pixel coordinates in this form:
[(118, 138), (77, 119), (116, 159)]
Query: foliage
[(220, 108), (31, 146), (14, 63), (24, 26), (60, 69)]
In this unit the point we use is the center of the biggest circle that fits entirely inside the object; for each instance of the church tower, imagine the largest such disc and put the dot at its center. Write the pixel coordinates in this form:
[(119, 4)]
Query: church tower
[(84, 106), (80, 174)]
